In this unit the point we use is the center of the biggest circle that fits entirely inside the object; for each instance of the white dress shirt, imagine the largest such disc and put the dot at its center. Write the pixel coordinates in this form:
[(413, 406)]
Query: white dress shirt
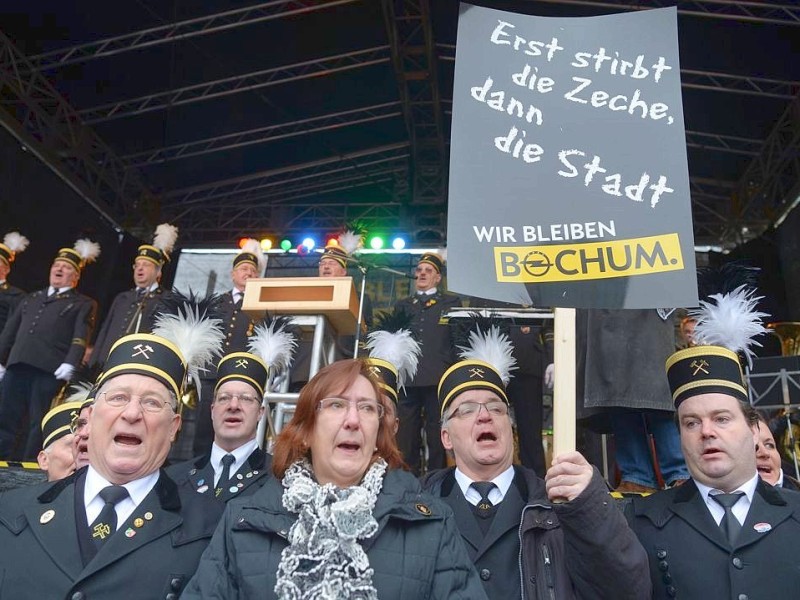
[(502, 482), (739, 510), (241, 454), (137, 490)]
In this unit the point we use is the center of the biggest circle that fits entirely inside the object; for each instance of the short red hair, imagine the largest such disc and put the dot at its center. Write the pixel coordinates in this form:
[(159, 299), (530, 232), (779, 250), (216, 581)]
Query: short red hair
[(291, 446)]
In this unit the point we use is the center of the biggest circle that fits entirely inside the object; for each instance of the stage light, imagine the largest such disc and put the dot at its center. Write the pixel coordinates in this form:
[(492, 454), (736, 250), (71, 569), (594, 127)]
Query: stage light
[(332, 242), (286, 245), (266, 244), (302, 250), (308, 243), (398, 243), (242, 242), (376, 243)]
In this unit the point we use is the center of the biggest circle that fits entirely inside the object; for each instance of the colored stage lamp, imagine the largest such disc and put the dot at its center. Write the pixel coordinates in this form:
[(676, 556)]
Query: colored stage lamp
[(332, 242), (266, 244), (242, 242), (398, 243), (376, 243), (302, 250), (286, 245), (309, 243)]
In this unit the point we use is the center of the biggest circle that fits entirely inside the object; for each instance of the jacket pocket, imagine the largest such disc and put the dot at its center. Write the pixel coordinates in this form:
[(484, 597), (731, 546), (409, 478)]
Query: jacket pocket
[(547, 578)]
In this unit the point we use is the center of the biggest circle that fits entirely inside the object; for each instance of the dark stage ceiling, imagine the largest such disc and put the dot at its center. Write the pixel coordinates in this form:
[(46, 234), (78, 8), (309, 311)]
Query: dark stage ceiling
[(234, 118)]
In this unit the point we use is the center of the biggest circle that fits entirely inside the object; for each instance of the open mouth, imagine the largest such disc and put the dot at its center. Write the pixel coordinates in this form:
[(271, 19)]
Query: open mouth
[(712, 452), (233, 420), (349, 446), (127, 440), (765, 469), (487, 436)]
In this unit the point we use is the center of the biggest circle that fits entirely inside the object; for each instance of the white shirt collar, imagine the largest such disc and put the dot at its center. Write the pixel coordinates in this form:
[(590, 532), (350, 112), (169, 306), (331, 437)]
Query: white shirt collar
[(503, 481), (740, 509), (137, 491), (149, 288), (779, 483), (51, 290), (241, 454), (429, 292)]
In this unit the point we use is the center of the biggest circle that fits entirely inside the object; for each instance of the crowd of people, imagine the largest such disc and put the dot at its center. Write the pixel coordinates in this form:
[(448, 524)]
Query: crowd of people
[(411, 471)]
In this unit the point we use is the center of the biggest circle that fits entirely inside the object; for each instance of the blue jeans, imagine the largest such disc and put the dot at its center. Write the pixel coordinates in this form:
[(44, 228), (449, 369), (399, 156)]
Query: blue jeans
[(634, 460)]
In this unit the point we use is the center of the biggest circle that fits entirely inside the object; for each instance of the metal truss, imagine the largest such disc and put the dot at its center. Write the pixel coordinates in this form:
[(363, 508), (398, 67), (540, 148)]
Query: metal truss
[(234, 85), (45, 123), (270, 133), (182, 30), (704, 80), (215, 223), (771, 183), (408, 25), (719, 142), (752, 12), (246, 186)]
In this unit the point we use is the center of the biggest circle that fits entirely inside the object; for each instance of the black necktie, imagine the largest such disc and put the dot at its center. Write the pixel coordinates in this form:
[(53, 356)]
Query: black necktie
[(140, 292), (227, 461), (237, 301), (484, 506), (729, 523), (106, 522)]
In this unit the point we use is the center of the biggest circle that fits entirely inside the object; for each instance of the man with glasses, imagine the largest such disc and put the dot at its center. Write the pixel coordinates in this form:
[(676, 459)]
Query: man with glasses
[(120, 526), (236, 466), (523, 544)]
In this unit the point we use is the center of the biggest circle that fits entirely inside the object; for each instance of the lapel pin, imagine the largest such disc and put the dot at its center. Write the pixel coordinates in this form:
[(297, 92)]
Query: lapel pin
[(249, 475), (255, 472), (202, 489), (762, 527), (148, 516), (239, 476), (423, 509), (193, 471), (47, 516), (129, 533), (233, 489), (138, 522), (200, 482)]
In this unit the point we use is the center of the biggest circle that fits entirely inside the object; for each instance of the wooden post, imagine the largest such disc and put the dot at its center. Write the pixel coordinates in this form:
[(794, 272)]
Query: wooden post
[(564, 385)]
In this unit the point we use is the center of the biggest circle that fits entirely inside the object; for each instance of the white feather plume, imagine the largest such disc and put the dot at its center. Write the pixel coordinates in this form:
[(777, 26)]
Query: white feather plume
[(442, 252), (731, 321), (350, 241), (398, 348), (491, 347), (15, 242), (253, 246), (87, 249), (165, 237), (79, 391), (274, 344), (198, 337)]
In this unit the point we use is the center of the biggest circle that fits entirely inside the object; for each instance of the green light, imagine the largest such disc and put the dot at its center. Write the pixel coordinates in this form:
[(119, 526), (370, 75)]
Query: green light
[(376, 243), (286, 245)]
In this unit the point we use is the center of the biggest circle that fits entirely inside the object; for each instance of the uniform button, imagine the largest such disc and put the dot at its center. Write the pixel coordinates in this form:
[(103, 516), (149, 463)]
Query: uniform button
[(78, 596), (663, 565), (744, 597), (171, 596), (175, 583), (532, 579), (667, 578), (661, 554), (671, 591), (737, 562), (486, 574)]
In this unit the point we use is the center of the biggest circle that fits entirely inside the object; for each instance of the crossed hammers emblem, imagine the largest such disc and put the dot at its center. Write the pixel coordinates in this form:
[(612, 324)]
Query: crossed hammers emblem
[(476, 372), (142, 349), (699, 365), (242, 363)]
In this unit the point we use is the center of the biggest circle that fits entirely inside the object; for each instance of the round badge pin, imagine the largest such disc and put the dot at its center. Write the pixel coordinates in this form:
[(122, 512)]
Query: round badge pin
[(423, 509), (148, 516), (249, 475), (239, 476), (762, 527), (47, 516), (129, 532), (201, 482), (202, 489), (233, 489), (138, 522)]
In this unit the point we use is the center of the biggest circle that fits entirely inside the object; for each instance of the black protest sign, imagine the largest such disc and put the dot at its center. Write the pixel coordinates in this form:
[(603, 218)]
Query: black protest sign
[(568, 175)]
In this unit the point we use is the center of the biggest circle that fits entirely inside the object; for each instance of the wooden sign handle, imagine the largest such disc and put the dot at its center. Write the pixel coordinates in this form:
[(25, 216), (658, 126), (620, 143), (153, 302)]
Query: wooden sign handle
[(564, 385)]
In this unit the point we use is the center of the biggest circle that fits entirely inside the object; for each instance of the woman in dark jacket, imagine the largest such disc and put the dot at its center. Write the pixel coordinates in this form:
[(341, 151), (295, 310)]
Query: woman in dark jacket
[(340, 520)]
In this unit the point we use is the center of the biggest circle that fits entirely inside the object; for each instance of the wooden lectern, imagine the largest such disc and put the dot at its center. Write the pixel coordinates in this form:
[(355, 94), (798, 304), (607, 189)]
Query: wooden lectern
[(314, 303)]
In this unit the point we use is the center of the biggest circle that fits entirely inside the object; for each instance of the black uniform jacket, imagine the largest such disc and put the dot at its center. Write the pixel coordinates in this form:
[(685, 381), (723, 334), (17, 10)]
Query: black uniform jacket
[(10, 296), (435, 340), (198, 475), (690, 556), (579, 549), (153, 555), (236, 325), (45, 332), (128, 314)]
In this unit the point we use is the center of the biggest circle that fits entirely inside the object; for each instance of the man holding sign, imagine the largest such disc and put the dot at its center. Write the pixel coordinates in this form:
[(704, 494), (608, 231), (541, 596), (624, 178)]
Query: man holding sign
[(523, 545)]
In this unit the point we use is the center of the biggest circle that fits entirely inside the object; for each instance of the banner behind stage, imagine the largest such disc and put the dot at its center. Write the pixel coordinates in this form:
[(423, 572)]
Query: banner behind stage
[(568, 176)]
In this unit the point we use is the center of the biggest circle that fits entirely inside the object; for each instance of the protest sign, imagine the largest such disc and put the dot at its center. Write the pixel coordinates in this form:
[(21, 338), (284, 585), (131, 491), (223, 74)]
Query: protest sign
[(568, 173)]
